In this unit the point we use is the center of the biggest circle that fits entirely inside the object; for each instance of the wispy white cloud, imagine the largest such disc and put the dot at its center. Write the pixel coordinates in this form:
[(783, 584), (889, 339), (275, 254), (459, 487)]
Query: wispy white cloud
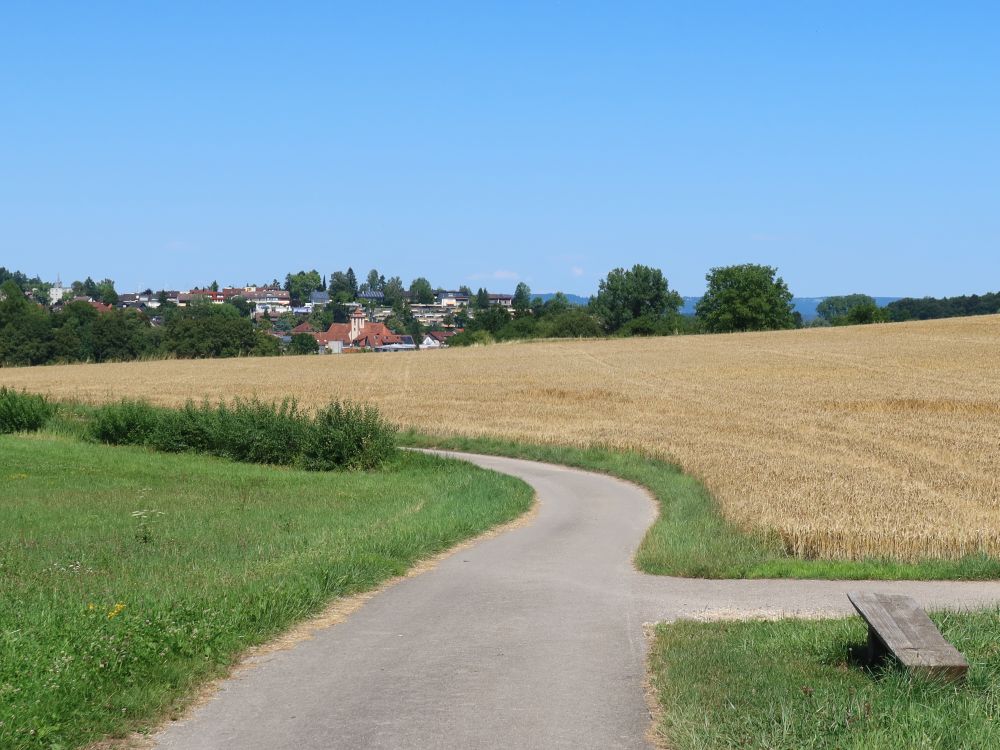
[(576, 271)]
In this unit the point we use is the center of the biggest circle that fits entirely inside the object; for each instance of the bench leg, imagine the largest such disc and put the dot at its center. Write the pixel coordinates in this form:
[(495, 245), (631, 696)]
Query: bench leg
[(876, 652)]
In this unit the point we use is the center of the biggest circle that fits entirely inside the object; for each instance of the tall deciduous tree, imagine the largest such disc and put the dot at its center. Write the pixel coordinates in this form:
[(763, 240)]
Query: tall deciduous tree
[(641, 292), (300, 285), (392, 292), (747, 297), (522, 300), (421, 291)]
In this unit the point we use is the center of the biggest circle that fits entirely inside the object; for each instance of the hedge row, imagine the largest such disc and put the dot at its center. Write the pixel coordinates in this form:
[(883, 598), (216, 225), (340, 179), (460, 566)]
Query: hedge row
[(340, 436)]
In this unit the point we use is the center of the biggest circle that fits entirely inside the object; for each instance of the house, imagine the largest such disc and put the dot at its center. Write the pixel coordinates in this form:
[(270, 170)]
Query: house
[(301, 328), (452, 299), (271, 301), (436, 339), (319, 299), (99, 306), (371, 295), (501, 300), (208, 295), (361, 334)]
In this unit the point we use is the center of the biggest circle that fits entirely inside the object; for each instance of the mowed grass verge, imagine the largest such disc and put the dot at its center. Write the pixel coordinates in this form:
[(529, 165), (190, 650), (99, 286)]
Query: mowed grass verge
[(129, 577), (788, 684), (691, 539)]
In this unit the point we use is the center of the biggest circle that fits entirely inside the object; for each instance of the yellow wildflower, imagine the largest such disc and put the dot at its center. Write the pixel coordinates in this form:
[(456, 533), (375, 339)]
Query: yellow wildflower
[(116, 610)]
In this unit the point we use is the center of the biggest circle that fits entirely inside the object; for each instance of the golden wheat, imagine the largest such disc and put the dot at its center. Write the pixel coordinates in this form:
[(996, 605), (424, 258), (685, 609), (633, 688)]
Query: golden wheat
[(875, 440)]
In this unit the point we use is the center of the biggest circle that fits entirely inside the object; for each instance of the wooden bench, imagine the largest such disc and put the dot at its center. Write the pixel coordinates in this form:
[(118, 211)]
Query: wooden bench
[(897, 625)]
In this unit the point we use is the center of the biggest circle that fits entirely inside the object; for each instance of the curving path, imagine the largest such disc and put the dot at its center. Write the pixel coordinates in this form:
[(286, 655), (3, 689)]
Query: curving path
[(531, 639)]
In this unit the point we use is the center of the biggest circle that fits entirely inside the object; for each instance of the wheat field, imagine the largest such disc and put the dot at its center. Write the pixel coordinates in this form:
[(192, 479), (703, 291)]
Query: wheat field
[(850, 442)]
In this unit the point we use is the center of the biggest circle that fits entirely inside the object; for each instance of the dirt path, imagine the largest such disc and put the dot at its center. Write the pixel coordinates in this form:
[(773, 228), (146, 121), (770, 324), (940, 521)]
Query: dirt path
[(530, 639)]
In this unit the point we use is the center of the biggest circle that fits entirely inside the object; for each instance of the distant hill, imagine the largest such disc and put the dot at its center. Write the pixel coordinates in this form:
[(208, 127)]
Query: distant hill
[(806, 306), (576, 299)]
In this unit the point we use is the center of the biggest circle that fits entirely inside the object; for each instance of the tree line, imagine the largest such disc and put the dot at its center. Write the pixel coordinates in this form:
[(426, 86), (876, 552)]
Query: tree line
[(639, 302), (31, 334), (629, 302)]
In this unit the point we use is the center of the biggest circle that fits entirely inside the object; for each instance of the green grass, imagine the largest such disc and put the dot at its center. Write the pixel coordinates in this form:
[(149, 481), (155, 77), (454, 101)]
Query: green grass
[(128, 577), (788, 684), (691, 539)]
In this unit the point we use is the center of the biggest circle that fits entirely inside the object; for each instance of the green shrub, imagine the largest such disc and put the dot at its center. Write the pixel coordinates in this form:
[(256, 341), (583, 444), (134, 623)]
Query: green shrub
[(190, 428), (261, 433), (125, 423), (342, 436), (348, 436), (23, 412)]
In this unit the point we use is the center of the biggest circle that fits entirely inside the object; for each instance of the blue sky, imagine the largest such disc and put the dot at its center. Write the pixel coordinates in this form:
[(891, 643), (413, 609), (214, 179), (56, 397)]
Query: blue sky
[(855, 146)]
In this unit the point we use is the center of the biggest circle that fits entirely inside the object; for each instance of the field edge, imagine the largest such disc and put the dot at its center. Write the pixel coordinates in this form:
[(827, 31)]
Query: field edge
[(690, 538)]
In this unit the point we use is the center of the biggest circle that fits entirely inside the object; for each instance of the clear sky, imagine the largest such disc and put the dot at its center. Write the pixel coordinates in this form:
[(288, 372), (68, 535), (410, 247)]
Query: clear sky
[(856, 146)]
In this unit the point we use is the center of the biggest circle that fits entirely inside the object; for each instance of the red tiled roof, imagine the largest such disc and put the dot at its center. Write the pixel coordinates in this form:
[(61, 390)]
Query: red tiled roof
[(302, 328)]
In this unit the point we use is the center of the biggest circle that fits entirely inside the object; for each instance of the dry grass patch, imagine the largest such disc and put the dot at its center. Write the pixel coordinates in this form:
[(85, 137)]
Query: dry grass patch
[(849, 442)]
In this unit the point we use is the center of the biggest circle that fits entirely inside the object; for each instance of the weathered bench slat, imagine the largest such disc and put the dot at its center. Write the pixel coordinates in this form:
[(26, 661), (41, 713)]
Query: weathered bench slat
[(897, 624)]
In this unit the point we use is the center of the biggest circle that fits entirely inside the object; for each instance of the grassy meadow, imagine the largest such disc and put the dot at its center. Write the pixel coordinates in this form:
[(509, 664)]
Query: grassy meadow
[(129, 577), (844, 443), (788, 685)]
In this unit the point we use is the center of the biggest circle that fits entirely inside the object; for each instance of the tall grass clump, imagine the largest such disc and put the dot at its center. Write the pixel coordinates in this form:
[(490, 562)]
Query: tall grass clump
[(347, 435), (126, 422), (340, 436), (23, 411)]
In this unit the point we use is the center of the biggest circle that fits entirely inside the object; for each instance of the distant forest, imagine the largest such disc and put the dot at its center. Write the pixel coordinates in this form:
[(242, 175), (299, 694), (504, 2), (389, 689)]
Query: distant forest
[(929, 308)]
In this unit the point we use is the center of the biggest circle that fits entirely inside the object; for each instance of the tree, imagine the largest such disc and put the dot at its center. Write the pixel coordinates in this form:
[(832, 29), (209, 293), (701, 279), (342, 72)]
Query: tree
[(207, 330), (119, 336), (746, 297), (641, 292), (241, 304), (375, 281), (465, 290), (321, 319), (25, 333), (522, 300), (836, 307), (482, 299), (105, 292), (285, 322), (392, 291), (302, 343), (343, 286), (492, 320), (421, 291), (302, 284), (73, 333), (214, 286), (556, 304), (863, 314), (265, 345)]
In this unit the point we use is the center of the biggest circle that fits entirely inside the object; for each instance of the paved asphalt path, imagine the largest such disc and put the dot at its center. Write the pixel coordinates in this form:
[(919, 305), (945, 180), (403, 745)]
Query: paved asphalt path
[(531, 639)]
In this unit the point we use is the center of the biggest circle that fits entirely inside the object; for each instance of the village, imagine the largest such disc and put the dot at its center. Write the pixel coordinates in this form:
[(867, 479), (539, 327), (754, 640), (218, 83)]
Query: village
[(274, 310)]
